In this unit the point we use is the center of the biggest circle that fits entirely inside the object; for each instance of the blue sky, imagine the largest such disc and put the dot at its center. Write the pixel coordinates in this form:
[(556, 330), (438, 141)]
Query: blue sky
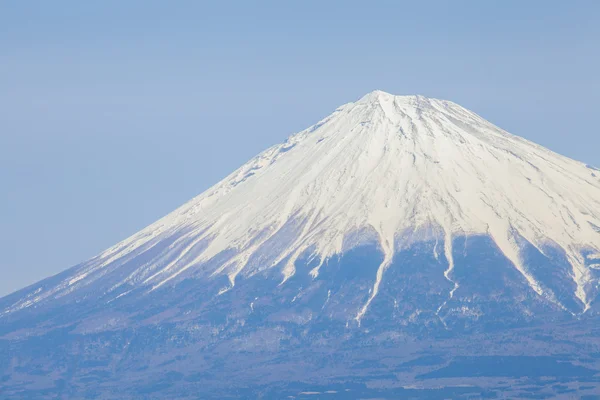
[(114, 113)]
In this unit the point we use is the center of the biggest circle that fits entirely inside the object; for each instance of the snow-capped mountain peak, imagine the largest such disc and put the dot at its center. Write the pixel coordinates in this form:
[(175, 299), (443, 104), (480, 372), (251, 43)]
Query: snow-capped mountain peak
[(388, 169)]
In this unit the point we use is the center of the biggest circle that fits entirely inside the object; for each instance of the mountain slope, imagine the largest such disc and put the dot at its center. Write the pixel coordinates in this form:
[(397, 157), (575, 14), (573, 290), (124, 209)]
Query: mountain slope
[(402, 246)]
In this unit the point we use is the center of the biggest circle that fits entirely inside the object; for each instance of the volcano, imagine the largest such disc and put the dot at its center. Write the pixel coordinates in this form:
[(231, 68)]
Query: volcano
[(397, 230)]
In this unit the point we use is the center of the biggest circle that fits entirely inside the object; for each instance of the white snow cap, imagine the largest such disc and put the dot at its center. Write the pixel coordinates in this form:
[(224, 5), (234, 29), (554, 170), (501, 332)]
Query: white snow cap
[(385, 164)]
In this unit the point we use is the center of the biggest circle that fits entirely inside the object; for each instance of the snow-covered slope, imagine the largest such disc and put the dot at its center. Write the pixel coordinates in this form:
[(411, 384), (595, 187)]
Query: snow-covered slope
[(378, 167)]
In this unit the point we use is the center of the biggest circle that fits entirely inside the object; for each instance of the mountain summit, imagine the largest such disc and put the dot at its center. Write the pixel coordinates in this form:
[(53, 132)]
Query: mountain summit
[(393, 213)]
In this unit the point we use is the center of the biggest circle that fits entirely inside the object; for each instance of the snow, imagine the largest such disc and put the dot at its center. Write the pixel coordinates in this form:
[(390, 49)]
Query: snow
[(387, 164)]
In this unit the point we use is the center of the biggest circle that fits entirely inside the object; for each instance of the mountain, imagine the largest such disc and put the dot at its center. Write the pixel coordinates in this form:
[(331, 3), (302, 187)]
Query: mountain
[(394, 224)]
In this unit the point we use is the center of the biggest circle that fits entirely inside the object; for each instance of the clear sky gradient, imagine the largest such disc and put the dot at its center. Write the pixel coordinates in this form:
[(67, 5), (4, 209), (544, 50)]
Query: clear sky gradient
[(113, 113)]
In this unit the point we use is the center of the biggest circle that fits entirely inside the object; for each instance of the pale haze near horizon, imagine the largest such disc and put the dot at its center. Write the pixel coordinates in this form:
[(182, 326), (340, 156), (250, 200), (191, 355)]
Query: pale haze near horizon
[(112, 115)]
